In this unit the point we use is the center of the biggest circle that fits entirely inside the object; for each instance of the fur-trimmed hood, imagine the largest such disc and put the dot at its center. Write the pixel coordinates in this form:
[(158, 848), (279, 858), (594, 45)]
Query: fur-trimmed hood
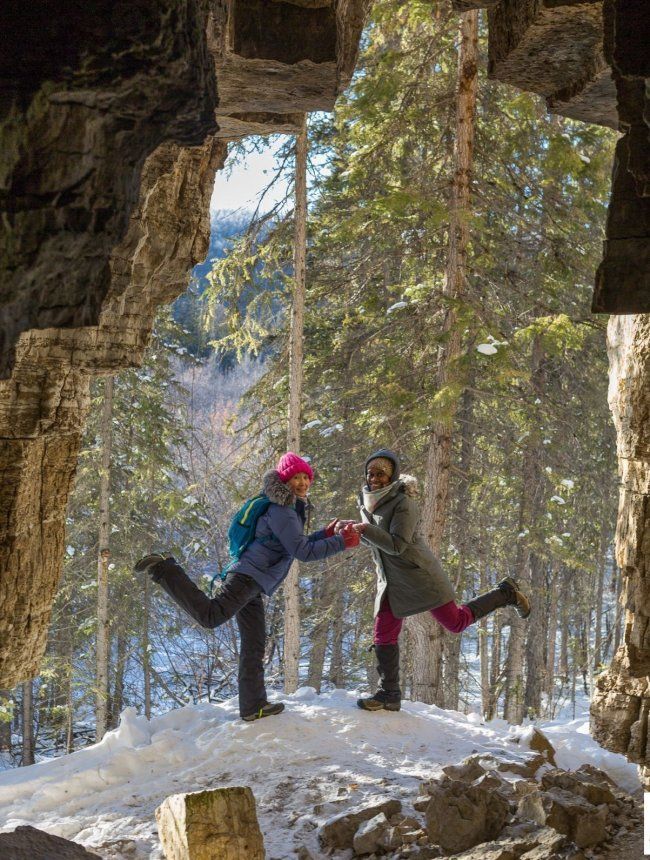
[(411, 485), (276, 490)]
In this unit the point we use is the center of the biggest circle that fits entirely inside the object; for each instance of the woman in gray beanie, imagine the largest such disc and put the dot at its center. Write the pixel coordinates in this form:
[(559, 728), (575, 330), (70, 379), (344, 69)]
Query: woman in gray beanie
[(410, 578)]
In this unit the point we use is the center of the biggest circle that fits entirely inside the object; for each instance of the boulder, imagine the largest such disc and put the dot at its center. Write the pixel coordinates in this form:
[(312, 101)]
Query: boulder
[(421, 803), (596, 775), (527, 767), (572, 815), (204, 825), (534, 739), (522, 787), (460, 816), (580, 783), (29, 843), (339, 831), (403, 831), (490, 851), (467, 771), (369, 835), (538, 844)]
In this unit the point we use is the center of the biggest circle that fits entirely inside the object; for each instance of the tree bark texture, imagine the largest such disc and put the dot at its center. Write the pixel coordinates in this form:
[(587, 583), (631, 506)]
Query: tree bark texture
[(600, 584), (535, 573), (146, 662), (102, 645), (425, 633), (551, 640), (28, 724), (292, 582)]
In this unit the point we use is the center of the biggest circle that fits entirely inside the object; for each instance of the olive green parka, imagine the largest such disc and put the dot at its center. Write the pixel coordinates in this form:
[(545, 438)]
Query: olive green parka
[(407, 571)]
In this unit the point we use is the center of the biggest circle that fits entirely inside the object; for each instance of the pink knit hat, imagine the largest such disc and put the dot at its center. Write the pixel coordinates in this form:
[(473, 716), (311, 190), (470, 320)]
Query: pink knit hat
[(291, 464)]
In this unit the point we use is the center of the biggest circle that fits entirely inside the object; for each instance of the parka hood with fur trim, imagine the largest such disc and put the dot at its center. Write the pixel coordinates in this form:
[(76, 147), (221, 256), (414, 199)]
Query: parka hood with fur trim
[(276, 490), (411, 485)]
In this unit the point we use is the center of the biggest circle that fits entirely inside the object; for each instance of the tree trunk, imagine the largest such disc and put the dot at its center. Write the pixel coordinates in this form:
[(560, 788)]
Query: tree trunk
[(600, 584), (5, 721), (337, 667), (321, 611), (563, 662), (551, 637), (452, 643), (292, 582), (482, 630), (532, 476), (513, 709), (146, 661), (117, 698), (102, 650), (495, 667), (69, 716), (426, 635), (28, 723)]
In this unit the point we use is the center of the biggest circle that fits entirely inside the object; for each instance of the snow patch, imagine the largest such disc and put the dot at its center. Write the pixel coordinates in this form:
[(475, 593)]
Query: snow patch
[(487, 349), (322, 747)]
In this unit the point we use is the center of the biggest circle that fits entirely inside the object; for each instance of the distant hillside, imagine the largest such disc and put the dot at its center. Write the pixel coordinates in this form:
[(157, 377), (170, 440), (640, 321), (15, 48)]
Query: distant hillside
[(226, 225), (189, 309)]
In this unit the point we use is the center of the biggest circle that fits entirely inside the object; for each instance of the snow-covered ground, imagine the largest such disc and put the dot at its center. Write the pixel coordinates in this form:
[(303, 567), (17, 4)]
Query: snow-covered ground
[(321, 752)]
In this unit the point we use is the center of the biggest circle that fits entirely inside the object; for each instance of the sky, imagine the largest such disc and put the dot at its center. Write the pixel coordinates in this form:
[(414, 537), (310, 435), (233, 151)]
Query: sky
[(241, 187)]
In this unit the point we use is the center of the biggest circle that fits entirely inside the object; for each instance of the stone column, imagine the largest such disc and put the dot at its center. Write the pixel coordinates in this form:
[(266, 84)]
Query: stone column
[(622, 698), (43, 404)]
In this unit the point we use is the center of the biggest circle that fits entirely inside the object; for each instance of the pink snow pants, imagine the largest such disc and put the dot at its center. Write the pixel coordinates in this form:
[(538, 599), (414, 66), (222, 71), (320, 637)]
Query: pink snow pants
[(452, 617)]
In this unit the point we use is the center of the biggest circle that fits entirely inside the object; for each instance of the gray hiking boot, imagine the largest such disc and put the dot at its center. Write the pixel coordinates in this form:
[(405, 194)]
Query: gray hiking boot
[(270, 709), (147, 562)]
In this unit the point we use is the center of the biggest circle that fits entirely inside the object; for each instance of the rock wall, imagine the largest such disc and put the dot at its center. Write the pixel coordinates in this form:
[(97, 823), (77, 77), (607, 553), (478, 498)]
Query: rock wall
[(621, 703), (43, 404), (590, 60), (623, 278), (114, 118)]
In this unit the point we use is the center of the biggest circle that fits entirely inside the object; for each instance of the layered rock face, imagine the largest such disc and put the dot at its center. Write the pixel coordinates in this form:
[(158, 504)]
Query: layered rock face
[(114, 118), (621, 704), (591, 61)]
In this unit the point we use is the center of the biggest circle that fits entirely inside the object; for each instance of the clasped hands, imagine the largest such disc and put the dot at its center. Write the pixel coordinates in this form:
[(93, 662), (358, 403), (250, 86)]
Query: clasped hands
[(337, 526)]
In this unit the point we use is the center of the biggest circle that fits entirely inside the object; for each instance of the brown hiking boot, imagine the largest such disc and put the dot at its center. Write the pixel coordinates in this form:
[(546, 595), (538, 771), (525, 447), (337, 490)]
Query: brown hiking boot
[(381, 701), (514, 597)]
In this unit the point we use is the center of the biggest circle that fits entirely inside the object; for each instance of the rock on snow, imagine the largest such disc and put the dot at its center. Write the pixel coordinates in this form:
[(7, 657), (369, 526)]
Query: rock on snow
[(321, 756)]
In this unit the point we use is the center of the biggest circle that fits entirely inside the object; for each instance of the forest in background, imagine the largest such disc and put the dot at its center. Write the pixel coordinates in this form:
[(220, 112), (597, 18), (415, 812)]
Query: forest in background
[(511, 371)]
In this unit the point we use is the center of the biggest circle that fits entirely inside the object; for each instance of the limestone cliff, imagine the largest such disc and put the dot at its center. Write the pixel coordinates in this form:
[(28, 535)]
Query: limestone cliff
[(114, 118), (622, 700)]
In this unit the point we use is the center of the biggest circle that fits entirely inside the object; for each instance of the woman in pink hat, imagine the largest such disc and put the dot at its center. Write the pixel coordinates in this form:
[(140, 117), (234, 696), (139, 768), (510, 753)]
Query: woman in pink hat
[(261, 568)]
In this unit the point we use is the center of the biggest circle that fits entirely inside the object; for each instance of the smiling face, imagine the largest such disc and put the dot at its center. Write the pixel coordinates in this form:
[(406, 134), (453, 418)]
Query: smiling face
[(377, 476), (299, 485)]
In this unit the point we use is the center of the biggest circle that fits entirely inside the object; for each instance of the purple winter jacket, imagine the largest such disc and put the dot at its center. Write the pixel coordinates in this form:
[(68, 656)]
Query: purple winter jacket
[(279, 538)]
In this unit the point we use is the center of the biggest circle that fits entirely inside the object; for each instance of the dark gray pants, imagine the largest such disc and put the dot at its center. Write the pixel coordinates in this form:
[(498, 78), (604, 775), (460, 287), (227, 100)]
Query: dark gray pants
[(240, 597)]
